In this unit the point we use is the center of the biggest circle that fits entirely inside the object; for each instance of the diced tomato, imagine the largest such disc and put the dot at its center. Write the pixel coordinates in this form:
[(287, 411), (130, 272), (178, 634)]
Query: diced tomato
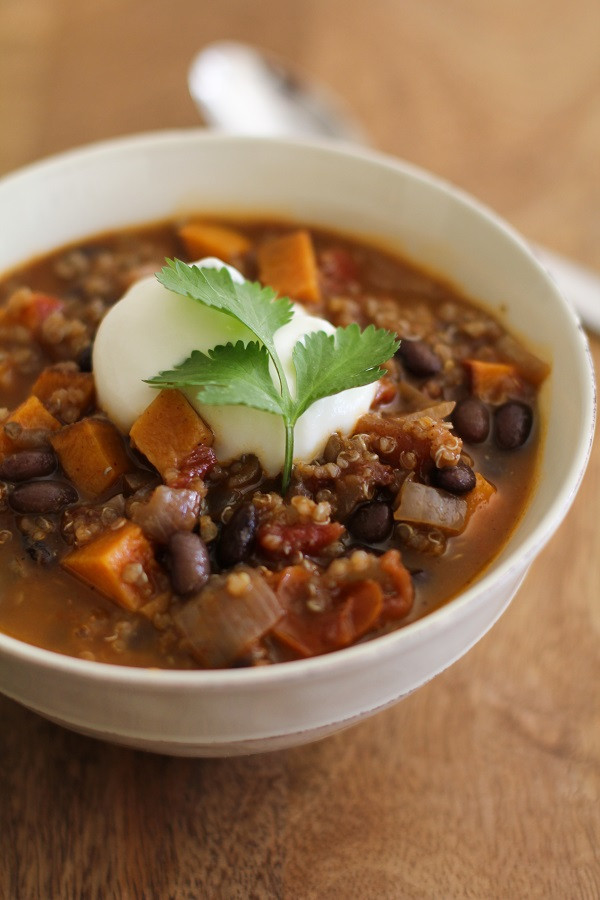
[(309, 538), (199, 462), (309, 632), (399, 592), (30, 311), (386, 391), (41, 307), (363, 604), (293, 590), (337, 268)]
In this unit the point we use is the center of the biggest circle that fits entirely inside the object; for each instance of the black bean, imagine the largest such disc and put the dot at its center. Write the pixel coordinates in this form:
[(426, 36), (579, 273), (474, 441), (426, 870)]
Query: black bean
[(372, 522), (471, 420), (84, 360), (457, 479), (189, 562), (512, 424), (42, 497), (28, 464), (237, 536), (419, 358), (27, 438)]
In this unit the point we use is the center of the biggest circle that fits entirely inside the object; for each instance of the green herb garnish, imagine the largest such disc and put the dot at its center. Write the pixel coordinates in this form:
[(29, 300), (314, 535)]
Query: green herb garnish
[(238, 374)]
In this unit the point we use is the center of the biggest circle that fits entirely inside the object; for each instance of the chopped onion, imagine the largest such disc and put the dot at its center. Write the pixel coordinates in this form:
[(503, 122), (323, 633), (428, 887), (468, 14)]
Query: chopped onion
[(438, 411), (412, 399), (168, 510), (529, 366), (228, 616), (425, 505)]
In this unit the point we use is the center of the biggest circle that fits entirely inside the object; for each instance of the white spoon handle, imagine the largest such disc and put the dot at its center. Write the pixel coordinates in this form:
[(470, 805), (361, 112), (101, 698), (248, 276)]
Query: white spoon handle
[(578, 284)]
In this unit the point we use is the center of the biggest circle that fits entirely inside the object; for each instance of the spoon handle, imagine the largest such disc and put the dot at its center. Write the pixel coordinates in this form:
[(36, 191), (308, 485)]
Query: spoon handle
[(576, 282)]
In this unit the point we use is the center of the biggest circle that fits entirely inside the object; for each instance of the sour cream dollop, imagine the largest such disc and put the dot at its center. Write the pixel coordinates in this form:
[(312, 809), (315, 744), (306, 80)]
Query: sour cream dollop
[(152, 329)]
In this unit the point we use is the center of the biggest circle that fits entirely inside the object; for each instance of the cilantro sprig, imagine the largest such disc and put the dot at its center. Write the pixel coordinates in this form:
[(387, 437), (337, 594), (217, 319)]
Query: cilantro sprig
[(239, 374)]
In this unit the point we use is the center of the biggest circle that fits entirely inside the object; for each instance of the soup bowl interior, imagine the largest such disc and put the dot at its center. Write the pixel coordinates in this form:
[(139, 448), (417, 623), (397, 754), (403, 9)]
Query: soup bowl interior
[(152, 177)]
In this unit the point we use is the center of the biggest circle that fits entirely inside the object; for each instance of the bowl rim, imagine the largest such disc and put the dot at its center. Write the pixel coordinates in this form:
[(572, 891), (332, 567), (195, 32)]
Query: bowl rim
[(437, 620)]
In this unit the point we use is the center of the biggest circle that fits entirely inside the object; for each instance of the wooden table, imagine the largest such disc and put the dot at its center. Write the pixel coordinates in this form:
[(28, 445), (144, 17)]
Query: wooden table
[(486, 782)]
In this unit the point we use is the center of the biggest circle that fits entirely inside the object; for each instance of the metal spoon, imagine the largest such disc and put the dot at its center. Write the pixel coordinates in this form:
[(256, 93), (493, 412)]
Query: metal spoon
[(242, 90)]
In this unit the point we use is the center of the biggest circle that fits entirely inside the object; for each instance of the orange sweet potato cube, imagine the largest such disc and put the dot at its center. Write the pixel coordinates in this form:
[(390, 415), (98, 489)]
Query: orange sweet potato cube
[(202, 239), (30, 414), (119, 563), (92, 454), (64, 391), (287, 263), (493, 381), (168, 431)]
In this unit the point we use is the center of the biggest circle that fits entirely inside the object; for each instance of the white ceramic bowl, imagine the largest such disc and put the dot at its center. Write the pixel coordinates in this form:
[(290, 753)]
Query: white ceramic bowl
[(146, 178)]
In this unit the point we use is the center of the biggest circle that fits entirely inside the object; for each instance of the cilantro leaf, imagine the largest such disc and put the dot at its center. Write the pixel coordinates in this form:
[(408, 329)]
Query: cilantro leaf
[(255, 306), (330, 363), (229, 375)]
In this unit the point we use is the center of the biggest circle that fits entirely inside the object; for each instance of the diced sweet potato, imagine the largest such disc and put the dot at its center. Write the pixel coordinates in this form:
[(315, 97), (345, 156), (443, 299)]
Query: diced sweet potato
[(480, 495), (168, 431), (64, 393), (119, 563), (202, 239), (493, 382), (30, 414), (288, 265), (92, 454)]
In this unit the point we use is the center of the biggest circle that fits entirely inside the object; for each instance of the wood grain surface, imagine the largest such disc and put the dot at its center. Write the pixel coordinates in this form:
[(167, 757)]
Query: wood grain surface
[(486, 782)]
